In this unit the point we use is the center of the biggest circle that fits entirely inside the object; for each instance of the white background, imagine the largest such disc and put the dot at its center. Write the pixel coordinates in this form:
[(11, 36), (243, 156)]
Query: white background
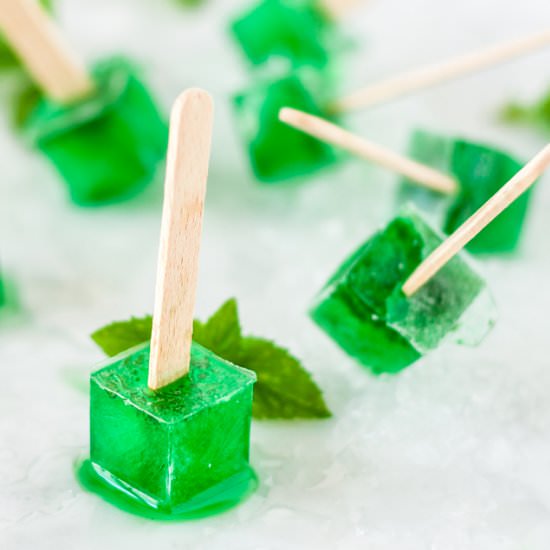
[(454, 453)]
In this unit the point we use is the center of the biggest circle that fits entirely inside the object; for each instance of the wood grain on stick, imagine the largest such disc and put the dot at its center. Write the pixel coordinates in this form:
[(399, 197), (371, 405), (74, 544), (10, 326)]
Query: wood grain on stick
[(335, 135), (432, 75), (503, 198), (37, 41), (178, 263)]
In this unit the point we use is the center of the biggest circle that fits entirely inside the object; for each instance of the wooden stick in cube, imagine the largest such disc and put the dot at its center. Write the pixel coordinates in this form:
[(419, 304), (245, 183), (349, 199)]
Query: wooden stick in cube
[(435, 74), (184, 193), (335, 135), (50, 62), (503, 198)]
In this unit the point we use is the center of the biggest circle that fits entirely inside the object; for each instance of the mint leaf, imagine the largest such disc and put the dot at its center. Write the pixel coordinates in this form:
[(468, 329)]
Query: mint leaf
[(122, 335), (7, 58), (221, 334), (536, 115), (24, 100), (284, 390)]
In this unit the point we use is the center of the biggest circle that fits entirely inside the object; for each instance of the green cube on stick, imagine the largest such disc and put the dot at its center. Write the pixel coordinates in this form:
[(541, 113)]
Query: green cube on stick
[(405, 290), (278, 153), (170, 421), (107, 146), (101, 129), (450, 179), (480, 171), (178, 452), (363, 309)]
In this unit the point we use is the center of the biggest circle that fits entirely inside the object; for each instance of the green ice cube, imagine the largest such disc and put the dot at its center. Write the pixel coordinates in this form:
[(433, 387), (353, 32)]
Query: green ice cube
[(363, 309), (277, 151), (295, 30), (481, 172), (179, 452), (107, 147)]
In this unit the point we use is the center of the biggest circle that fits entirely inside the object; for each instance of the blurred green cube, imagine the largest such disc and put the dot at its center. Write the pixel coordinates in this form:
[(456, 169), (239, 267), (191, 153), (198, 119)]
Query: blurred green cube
[(278, 152), (297, 31), (107, 147), (481, 172)]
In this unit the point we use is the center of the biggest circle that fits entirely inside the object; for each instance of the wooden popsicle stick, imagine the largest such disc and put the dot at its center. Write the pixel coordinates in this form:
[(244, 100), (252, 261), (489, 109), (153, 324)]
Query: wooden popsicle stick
[(503, 198), (435, 74), (184, 193), (337, 9), (335, 135), (37, 41)]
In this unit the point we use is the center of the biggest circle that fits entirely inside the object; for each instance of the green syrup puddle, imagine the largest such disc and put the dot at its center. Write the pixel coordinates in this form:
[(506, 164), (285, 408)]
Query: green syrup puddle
[(215, 500)]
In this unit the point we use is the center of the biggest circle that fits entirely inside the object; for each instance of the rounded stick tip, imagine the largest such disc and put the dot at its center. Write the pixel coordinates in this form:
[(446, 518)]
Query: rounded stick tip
[(287, 114), (196, 98)]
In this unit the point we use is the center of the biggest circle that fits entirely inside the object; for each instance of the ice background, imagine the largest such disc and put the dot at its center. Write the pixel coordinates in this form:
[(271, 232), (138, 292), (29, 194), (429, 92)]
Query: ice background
[(452, 454)]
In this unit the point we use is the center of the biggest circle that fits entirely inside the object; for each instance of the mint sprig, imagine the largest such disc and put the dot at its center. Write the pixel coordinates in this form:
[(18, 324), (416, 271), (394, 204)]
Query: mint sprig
[(536, 115), (284, 390), (122, 335)]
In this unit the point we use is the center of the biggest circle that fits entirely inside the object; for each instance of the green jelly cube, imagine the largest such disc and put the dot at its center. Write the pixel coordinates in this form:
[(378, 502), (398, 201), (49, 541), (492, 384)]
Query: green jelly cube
[(277, 151), (295, 30), (481, 171), (107, 147), (363, 309), (178, 449)]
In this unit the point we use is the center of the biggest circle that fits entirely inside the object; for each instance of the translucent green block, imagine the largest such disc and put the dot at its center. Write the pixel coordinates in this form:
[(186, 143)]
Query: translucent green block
[(277, 151), (107, 147), (481, 171), (295, 30), (363, 309), (179, 452)]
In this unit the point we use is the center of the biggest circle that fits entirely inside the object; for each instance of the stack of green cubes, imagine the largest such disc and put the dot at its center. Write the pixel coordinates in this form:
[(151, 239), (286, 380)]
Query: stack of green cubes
[(481, 171), (364, 310), (292, 45), (179, 452)]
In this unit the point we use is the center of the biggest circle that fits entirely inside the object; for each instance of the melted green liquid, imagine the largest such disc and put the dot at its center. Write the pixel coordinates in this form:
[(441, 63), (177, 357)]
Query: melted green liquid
[(215, 500)]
